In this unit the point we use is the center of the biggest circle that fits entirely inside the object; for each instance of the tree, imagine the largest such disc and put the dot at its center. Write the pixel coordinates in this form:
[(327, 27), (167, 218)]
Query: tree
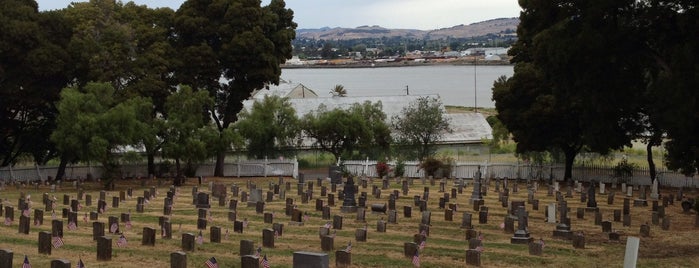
[(556, 85), (270, 127), (92, 125), (360, 129), (34, 67), (338, 91), (185, 128), (421, 125), (671, 99), (238, 40)]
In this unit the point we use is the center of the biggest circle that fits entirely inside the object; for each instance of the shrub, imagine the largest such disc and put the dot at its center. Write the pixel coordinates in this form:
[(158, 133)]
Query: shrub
[(382, 169), (437, 167), (399, 171)]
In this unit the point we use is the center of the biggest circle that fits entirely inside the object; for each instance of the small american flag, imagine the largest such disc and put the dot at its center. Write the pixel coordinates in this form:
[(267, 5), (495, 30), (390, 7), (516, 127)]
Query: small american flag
[(265, 262), (26, 264), (26, 213), (114, 228), (480, 236), (259, 251), (276, 233), (479, 248), (541, 241), (85, 218), (502, 225), (8, 221), (226, 237), (128, 225), (80, 206), (102, 210), (121, 242), (72, 226), (349, 247), (163, 232), (424, 232), (53, 204), (53, 214), (422, 244), (200, 238), (245, 222), (416, 259), (305, 217), (145, 201), (36, 222), (80, 264), (210, 218), (57, 241), (211, 263), (327, 225)]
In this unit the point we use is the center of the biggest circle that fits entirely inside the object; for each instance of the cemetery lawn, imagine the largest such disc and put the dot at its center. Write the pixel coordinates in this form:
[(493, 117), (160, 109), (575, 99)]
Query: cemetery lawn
[(445, 245)]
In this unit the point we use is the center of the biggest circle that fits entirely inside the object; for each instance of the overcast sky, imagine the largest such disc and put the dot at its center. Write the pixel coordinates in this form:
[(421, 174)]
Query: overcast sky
[(396, 14)]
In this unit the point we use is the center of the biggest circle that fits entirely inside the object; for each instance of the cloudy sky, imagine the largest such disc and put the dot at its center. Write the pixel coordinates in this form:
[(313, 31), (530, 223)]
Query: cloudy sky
[(398, 14)]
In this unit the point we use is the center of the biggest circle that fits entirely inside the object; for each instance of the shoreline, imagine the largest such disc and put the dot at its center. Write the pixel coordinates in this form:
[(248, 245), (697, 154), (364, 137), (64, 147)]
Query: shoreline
[(394, 64)]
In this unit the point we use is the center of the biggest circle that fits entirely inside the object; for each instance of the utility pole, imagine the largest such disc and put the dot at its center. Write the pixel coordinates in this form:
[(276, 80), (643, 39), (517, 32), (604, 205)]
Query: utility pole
[(407, 91), (475, 88)]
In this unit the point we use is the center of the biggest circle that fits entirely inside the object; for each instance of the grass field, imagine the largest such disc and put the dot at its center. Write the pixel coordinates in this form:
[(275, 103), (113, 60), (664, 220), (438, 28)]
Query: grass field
[(445, 246)]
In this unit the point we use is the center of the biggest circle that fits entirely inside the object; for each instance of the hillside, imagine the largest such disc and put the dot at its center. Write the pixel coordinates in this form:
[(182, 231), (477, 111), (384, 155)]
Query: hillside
[(502, 26)]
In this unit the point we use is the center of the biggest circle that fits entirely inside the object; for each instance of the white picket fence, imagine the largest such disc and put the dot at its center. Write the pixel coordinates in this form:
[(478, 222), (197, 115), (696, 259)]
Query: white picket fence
[(466, 170), (242, 168)]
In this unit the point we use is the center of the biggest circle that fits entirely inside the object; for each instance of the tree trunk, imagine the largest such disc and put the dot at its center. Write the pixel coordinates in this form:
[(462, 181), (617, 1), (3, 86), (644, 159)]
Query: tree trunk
[(653, 141), (151, 163), (61, 168), (570, 154), (177, 166), (220, 158)]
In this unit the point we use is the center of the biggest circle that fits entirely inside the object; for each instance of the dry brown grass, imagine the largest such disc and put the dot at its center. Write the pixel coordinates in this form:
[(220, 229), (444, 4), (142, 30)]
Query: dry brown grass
[(446, 245)]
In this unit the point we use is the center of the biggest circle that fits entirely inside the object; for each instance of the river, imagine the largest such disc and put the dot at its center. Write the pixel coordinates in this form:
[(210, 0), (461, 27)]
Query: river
[(453, 83)]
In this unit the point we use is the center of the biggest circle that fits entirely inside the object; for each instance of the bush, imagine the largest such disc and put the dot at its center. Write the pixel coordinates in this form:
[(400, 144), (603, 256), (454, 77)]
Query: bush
[(434, 166), (624, 169), (399, 171), (382, 169)]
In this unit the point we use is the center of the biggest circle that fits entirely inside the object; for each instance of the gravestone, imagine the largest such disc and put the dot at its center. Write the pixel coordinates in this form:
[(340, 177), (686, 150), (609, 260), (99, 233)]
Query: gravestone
[(349, 203), (278, 228), (392, 217), (381, 226), (578, 240), (97, 230), (466, 221), (631, 253), (188, 242), (521, 236), (591, 202), (215, 236), (45, 245), (268, 238), (247, 247), (104, 248), (249, 261), (360, 234), (360, 215), (60, 263), (310, 260), (57, 228), (473, 257), (202, 200), (327, 243), (563, 229), (409, 249), (645, 230), (407, 211), (606, 226), (148, 238), (536, 248), (178, 259), (343, 259), (24, 224), (268, 217), (6, 258), (337, 222)]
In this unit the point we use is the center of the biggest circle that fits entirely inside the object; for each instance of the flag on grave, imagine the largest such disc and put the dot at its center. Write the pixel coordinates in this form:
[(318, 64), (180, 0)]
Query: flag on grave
[(53, 214), (114, 228), (8, 221), (121, 242), (72, 226), (36, 222), (226, 237), (57, 242), (163, 232), (200, 238), (349, 247), (26, 213), (480, 248), (328, 225), (245, 223), (85, 218), (26, 264), (416, 259), (276, 233), (422, 244), (128, 225), (259, 251), (211, 263), (265, 262), (80, 264)]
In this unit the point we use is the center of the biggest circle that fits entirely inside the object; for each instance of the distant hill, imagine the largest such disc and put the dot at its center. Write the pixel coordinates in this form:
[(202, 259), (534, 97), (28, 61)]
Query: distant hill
[(502, 26)]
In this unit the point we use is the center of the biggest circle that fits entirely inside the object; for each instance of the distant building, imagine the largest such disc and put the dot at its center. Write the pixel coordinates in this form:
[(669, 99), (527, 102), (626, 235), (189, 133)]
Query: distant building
[(285, 89), (468, 128)]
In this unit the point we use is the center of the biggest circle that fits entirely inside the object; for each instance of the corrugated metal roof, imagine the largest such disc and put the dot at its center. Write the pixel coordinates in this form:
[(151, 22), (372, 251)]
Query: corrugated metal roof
[(467, 127)]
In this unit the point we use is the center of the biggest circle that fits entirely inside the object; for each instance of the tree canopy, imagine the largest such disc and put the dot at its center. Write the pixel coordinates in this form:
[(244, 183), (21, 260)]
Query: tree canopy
[(420, 126), (238, 40), (271, 127)]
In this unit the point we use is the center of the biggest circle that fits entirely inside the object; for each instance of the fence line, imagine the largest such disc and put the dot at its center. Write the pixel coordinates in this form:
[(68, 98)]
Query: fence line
[(241, 168), (466, 170)]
